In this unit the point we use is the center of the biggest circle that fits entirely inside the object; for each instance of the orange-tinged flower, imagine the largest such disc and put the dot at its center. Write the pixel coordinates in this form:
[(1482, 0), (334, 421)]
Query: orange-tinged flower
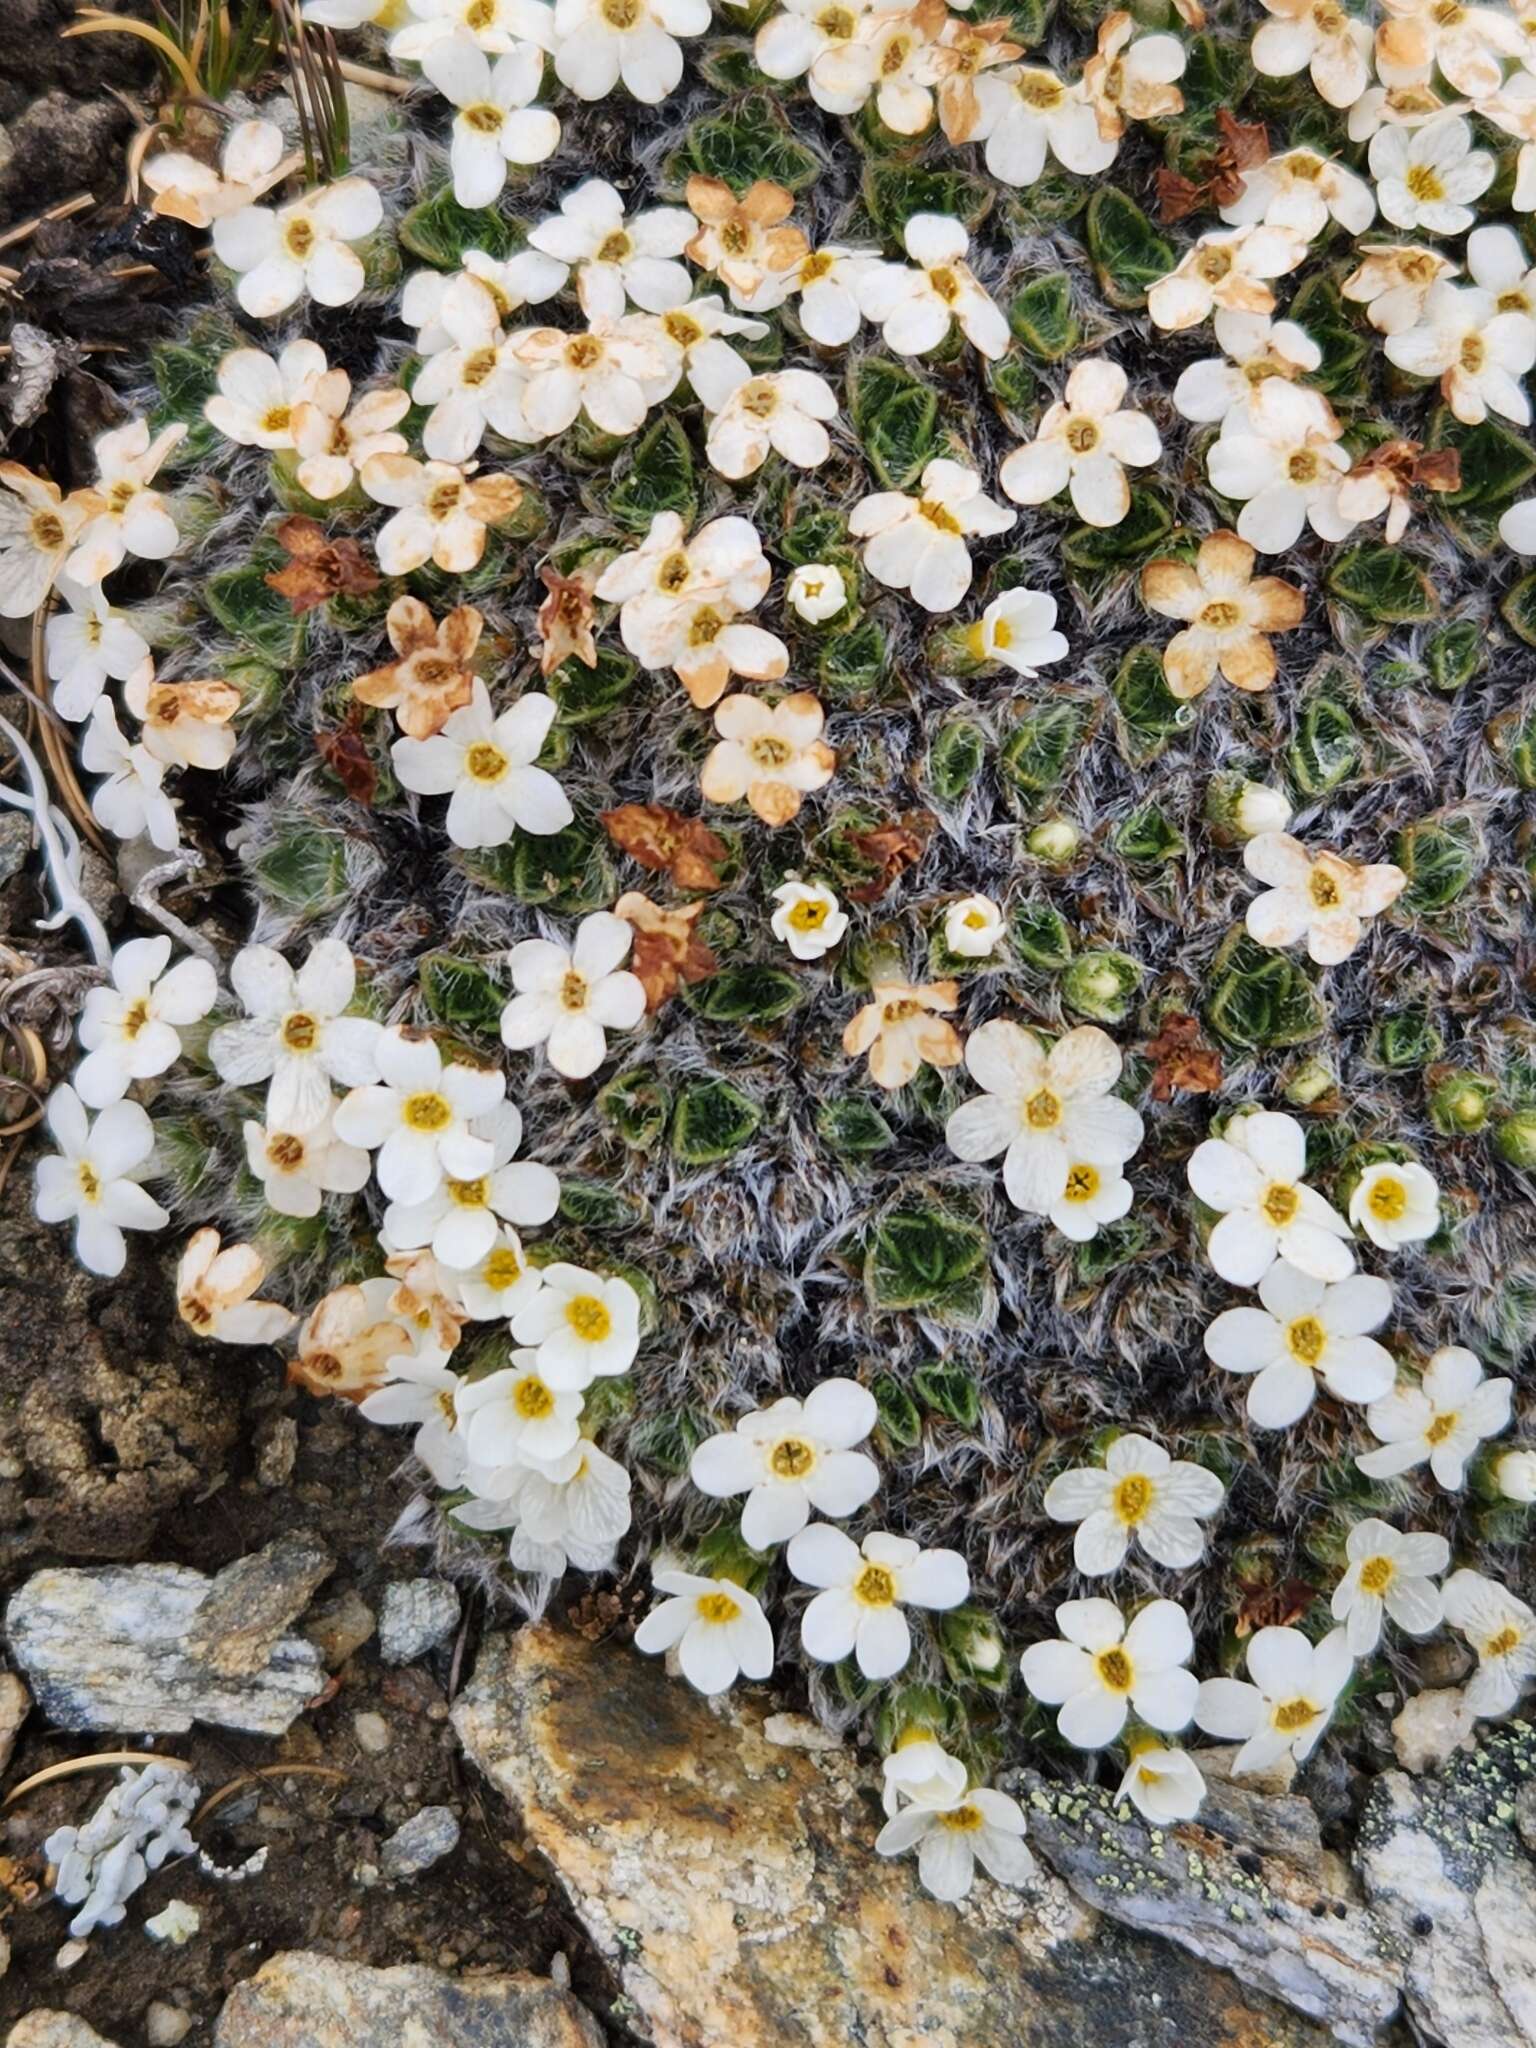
[(214, 1291), (770, 756), (349, 1340), (432, 675), (901, 1029), (1228, 615)]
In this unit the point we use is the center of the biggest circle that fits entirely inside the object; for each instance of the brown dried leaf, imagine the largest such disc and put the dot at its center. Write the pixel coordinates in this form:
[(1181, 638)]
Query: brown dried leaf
[(565, 620), (320, 568), (1279, 1606), (342, 749), (668, 842), (893, 849), (1182, 1062), (667, 951)]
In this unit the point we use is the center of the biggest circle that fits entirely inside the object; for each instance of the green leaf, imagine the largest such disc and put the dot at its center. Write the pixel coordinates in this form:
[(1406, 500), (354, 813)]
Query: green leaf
[(955, 759), (1035, 755), (713, 1119), (1496, 464), (667, 1441), (900, 1421), (638, 1106), (895, 415), (1148, 837), (851, 664), (1150, 716), (462, 996), (439, 230), (1102, 985), (1513, 738), (894, 193), (1042, 318), (1128, 253), (1261, 1000), (1041, 936), (748, 140), (593, 1205), (261, 618), (1322, 313), (1215, 75), (1403, 1039), (1013, 385), (1442, 858), (586, 694), (750, 994), (1454, 654), (1382, 583), (813, 530), (931, 1263), (1327, 749), (304, 869), (853, 1129), (1115, 1245), (949, 1391), (1517, 607), (1145, 526), (568, 870), (659, 477)]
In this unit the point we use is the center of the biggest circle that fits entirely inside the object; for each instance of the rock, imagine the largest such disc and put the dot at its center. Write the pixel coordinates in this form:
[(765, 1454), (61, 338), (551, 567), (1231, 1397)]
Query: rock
[(46, 2029), (1431, 1727), (372, 1732), (1216, 1766), (1443, 1866), (165, 2025), (426, 1838), (301, 2000), (15, 1705), (415, 1617), (113, 1648), (277, 1451), (733, 1884), (799, 1731), (252, 1602), (340, 1627)]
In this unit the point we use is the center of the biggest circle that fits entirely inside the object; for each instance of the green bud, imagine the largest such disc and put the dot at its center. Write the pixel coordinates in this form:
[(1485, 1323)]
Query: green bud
[(1458, 1102), (1515, 1138), (972, 1646), (1055, 840), (1101, 986), (1310, 1083)]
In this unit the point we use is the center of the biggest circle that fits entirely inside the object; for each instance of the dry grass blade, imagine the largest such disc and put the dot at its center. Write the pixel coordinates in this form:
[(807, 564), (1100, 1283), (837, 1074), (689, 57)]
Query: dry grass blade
[(238, 1784), (61, 762), (98, 1760)]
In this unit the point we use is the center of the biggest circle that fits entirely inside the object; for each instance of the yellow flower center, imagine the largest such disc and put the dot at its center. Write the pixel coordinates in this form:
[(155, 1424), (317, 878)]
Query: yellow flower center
[(1500, 1645), (480, 14), (1042, 1112), (1376, 1574), (974, 921), (875, 1587), (1039, 89), (573, 990), (1303, 467), (1213, 265), (614, 248), (483, 117), (442, 500), (717, 1608), (706, 627), (1220, 616), (674, 573), (1328, 18), (1474, 354), (791, 1459), (808, 916), (897, 51), (299, 235), (300, 1031), (938, 515), (1002, 635), (1441, 1427), (1082, 1183), (485, 763), (1280, 1203), (1306, 1340), (47, 532), (470, 1194), (1513, 302), (122, 495), (1425, 184), (532, 1399), (816, 266), (1324, 889), (584, 352), (589, 1318), (962, 1820), (135, 1017), (945, 283), (759, 398), (1115, 1670), (768, 751), (502, 1269), (275, 420), (427, 1112), (836, 23), (1133, 1498), (1388, 1199), (90, 1181), (285, 1151), (621, 14), (682, 328), (477, 368), (1294, 1714), (1082, 436)]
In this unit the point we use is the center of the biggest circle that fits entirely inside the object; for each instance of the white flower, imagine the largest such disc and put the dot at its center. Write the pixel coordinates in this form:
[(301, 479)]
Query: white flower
[(302, 247), (980, 1826), (514, 1417), (618, 261), (1397, 106), (973, 928), (1478, 352), (585, 1326), (470, 389), (1018, 629), (919, 1772), (1392, 1574), (183, 725), (816, 592), (570, 1511), (1320, 37), (85, 644), (603, 372), (825, 46), (332, 443), (1095, 1194), (1045, 1111), (465, 308), (93, 1178), (681, 604), (691, 339), (1392, 281), (1252, 1177), (1517, 527), (424, 1391), (495, 1287), (1164, 1785), (792, 1458), (214, 1290), (1099, 1670), (1502, 1630), (187, 189), (130, 516), (919, 544), (257, 394), (495, 124), (829, 286), (784, 411), (129, 1030), (1427, 177), (1260, 808), (808, 918), (1302, 191), (569, 998), (296, 1168), (772, 755), (1466, 44), (865, 1587), (1396, 1204), (350, 14), (916, 307), (1083, 444), (718, 1629), (1026, 111), (1140, 1494), (296, 1033), (442, 511), (1515, 1476), (1284, 458), (38, 528), (460, 1219), (1497, 262), (1229, 268), (418, 1116), (1294, 1688), (484, 764), (1254, 349), (603, 41), (1441, 1421), (496, 26), (1319, 895), (1307, 1330), (130, 801)]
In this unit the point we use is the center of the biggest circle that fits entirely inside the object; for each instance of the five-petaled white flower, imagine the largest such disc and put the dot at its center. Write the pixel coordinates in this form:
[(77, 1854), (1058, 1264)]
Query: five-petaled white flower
[(1046, 1112), (332, 442), (681, 604), (718, 1629), (38, 529), (1027, 112), (1139, 1494), (295, 1168), (484, 763), (808, 919), (461, 1219), (618, 261), (1477, 349), (129, 1030), (93, 1179), (1254, 349), (916, 307), (1320, 37), (1427, 177), (1300, 190), (977, 1826), (1252, 1177), (792, 1458), (1099, 1670), (1396, 1203), (584, 1325), (1440, 1422), (773, 755), (1502, 1630), (215, 1290), (1082, 445), (296, 1033), (1286, 1702), (441, 511), (919, 544), (515, 1417), (784, 412), (1283, 460), (495, 1287), (305, 246), (130, 800), (1389, 1574), (604, 41), (1306, 1330), (569, 998), (496, 124), (1320, 896), (1229, 268), (257, 393), (1228, 614), (418, 1117), (864, 1588), (604, 371)]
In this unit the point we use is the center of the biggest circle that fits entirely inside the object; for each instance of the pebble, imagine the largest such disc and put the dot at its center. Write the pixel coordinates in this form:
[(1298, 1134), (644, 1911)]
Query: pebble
[(176, 1924), (426, 1838), (165, 2025), (415, 1617), (372, 1733), (71, 1953)]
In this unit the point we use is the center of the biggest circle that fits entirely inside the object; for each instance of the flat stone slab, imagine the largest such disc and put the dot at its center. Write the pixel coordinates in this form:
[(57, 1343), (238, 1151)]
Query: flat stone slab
[(303, 2000)]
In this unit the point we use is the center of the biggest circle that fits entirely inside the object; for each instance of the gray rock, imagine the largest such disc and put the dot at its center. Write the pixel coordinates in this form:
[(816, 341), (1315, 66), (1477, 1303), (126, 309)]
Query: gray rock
[(47, 2029), (426, 1838), (415, 1617), (1243, 1886), (1444, 1866), (119, 1647), (302, 2000), (1431, 1727)]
